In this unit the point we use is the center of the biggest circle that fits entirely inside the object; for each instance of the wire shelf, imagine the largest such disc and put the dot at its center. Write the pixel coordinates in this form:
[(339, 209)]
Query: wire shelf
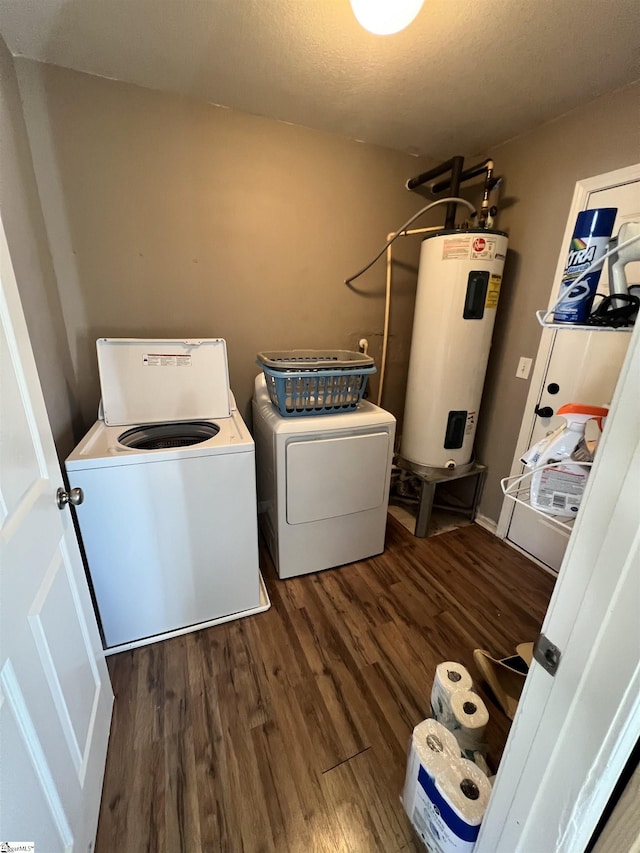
[(518, 490), (522, 496), (572, 327)]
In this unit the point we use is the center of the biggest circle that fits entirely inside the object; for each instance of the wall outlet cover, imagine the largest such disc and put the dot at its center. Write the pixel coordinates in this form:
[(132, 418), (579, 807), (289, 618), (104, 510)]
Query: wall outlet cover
[(524, 368)]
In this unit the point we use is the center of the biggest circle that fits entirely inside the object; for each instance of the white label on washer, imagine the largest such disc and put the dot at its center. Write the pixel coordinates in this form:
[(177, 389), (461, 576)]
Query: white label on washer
[(158, 359)]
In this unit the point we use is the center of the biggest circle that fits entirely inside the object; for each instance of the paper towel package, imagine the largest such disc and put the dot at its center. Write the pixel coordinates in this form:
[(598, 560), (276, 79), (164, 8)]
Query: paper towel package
[(431, 744), (445, 796)]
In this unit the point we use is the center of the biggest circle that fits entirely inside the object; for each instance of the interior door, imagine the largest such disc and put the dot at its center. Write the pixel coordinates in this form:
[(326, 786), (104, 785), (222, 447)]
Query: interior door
[(574, 731), (55, 695), (583, 367)]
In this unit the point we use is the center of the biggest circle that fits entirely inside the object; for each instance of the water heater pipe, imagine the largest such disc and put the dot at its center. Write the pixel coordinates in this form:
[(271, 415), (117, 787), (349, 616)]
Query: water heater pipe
[(452, 185), (456, 176), (404, 227), (387, 304), (419, 180), (467, 174)]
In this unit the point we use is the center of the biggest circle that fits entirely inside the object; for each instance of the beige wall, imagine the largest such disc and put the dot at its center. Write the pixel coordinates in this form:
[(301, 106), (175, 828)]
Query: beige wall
[(28, 245), (169, 217), (540, 172)]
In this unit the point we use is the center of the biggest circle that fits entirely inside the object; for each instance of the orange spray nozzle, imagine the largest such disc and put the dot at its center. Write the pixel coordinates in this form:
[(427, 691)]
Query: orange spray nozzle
[(585, 412)]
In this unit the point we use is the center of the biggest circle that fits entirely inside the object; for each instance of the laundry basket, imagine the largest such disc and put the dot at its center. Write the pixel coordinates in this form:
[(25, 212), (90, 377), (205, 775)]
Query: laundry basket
[(315, 382)]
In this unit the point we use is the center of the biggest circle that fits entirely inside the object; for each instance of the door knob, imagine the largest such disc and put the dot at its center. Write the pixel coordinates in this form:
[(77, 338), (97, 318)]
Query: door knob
[(75, 497), (544, 412)]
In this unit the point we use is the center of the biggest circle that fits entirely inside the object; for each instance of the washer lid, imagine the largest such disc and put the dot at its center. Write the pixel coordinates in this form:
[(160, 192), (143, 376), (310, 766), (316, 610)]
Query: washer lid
[(149, 381)]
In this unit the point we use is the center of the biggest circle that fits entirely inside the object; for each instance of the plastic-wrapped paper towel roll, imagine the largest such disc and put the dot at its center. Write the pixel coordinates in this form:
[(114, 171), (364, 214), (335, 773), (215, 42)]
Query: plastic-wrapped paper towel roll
[(450, 677), (468, 721), (431, 744), (447, 802)]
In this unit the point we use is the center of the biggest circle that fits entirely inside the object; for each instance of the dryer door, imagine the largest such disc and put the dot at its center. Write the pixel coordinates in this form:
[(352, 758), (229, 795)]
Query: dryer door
[(336, 476)]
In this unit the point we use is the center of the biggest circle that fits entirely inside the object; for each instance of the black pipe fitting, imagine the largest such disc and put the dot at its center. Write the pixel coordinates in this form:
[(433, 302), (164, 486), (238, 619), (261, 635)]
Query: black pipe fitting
[(424, 177)]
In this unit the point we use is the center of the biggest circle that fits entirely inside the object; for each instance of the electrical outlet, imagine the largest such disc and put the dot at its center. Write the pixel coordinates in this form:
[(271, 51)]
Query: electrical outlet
[(524, 367)]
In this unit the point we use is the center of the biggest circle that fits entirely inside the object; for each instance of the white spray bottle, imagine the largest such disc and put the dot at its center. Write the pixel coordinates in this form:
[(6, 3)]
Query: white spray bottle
[(557, 486)]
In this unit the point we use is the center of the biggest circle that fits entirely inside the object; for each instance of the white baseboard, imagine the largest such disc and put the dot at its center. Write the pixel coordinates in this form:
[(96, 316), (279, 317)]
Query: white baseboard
[(486, 522)]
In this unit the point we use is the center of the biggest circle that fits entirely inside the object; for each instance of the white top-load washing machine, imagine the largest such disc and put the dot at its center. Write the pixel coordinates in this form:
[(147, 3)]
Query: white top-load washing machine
[(169, 516), (323, 484)]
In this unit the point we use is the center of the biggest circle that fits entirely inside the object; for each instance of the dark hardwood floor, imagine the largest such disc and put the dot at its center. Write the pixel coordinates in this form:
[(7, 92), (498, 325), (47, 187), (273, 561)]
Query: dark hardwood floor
[(288, 730)]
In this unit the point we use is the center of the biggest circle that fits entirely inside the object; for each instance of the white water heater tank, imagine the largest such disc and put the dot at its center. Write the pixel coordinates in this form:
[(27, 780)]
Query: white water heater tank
[(458, 288)]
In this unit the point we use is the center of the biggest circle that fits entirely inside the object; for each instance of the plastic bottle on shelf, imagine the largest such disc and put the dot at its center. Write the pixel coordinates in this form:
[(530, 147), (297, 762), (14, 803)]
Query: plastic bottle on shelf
[(559, 478), (588, 244)]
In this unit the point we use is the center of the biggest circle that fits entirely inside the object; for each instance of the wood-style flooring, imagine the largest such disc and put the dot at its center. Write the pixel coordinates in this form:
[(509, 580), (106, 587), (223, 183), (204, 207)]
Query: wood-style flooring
[(288, 731)]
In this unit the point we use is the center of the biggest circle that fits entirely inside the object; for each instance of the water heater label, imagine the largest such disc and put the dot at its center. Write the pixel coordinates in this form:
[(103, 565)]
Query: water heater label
[(157, 359), (483, 248), (471, 423), (469, 248), (456, 248), (493, 291)]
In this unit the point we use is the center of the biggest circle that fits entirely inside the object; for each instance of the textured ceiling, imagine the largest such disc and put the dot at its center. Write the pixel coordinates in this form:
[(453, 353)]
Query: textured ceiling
[(464, 76)]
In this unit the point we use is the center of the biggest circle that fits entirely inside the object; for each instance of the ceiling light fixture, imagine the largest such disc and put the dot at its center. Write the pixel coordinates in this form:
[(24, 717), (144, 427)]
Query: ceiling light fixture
[(384, 17)]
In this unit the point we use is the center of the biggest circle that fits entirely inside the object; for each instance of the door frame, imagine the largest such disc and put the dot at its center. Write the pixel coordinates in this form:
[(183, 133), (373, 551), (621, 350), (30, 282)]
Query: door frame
[(581, 193)]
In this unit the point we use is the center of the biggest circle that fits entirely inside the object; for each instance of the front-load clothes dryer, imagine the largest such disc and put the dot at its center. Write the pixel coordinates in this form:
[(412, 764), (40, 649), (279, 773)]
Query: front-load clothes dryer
[(323, 484), (169, 516)]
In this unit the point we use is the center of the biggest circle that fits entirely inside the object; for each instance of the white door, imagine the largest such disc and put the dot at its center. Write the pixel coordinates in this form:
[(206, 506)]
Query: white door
[(55, 695), (574, 732), (580, 367)]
